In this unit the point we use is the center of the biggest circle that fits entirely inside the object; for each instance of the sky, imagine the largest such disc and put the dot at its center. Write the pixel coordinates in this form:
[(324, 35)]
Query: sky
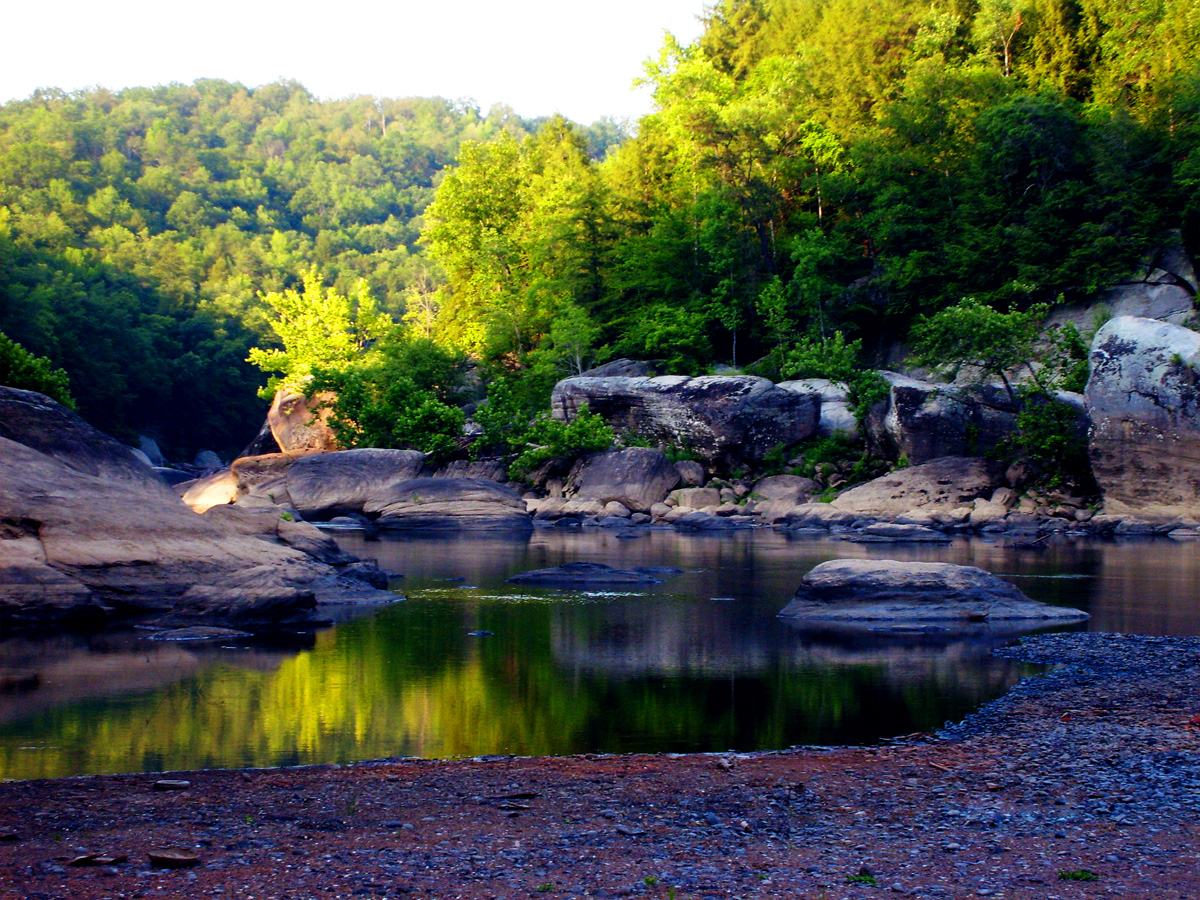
[(537, 56)]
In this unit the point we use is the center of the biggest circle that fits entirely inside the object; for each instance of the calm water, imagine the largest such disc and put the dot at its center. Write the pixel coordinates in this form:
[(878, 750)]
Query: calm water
[(697, 663)]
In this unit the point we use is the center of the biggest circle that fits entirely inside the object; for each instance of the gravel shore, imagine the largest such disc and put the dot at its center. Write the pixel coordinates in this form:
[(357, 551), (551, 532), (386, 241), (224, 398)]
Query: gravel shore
[(1082, 782)]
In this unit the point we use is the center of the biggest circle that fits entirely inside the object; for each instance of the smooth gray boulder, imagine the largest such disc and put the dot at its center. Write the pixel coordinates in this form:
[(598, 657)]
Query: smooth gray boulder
[(945, 483), (1142, 398), (721, 418), (581, 575), (836, 417), (889, 593), (450, 504), (324, 485), (637, 478)]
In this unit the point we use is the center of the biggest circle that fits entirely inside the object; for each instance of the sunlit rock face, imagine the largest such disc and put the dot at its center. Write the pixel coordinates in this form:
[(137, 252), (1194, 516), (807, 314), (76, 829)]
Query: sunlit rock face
[(86, 530), (298, 422), (450, 504), (1144, 441), (938, 485), (723, 419)]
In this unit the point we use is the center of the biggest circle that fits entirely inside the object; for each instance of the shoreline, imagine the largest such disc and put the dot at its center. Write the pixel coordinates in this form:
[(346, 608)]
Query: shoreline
[(1092, 766)]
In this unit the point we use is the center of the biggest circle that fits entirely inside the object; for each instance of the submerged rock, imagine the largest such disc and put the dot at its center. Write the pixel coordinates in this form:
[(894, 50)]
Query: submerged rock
[(580, 575), (888, 593)]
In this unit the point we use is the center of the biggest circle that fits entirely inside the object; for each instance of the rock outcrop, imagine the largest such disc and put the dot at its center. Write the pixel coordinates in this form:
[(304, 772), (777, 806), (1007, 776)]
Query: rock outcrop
[(637, 478), (835, 416), (724, 419), (317, 485), (921, 420), (941, 484), (86, 531), (1144, 404), (300, 423), (449, 504), (884, 593)]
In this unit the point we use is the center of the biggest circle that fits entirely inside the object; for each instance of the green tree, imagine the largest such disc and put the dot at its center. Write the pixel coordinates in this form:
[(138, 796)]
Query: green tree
[(320, 329), (21, 369), (973, 334)]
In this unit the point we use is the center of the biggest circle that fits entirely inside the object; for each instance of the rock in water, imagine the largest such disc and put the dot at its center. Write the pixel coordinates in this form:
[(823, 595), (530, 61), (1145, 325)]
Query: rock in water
[(882, 592), (1142, 398), (580, 575)]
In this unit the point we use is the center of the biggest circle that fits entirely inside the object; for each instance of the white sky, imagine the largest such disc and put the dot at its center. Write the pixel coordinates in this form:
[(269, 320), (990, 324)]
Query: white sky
[(537, 56)]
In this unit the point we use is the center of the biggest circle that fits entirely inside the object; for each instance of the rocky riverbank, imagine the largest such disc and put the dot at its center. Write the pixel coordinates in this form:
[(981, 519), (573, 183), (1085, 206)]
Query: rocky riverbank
[(1079, 783)]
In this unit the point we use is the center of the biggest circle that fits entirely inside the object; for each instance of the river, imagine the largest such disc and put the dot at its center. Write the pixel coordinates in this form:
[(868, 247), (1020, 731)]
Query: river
[(469, 665)]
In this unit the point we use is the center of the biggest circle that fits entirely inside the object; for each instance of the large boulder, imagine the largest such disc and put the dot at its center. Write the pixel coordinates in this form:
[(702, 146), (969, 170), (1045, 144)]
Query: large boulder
[(923, 420), (317, 485), (1163, 287), (888, 593), (724, 419), (298, 422), (324, 485), (836, 417), (1142, 398), (637, 478), (946, 483), (450, 504), (86, 530)]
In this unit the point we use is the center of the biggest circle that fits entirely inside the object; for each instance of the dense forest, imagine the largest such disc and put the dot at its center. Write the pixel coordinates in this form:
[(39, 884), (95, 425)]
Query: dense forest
[(814, 171)]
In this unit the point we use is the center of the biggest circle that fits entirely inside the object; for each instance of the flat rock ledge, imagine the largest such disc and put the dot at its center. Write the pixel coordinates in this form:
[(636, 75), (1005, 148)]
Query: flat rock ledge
[(894, 594)]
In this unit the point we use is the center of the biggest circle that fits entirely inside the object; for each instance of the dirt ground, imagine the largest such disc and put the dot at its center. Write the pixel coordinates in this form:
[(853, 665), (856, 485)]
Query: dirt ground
[(1081, 783)]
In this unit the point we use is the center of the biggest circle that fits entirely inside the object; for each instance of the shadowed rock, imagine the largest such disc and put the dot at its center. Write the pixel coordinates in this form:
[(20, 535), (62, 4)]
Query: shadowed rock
[(637, 478), (722, 418)]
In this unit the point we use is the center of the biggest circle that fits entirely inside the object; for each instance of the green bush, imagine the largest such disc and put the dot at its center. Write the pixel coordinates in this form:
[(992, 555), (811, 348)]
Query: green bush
[(550, 438), (21, 369), (1048, 433)]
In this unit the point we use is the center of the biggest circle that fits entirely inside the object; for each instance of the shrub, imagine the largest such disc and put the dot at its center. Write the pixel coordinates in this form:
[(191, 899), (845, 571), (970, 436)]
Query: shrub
[(21, 369), (550, 438)]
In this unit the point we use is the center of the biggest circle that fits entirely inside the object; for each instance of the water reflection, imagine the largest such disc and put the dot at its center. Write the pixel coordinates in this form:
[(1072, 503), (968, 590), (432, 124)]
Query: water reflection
[(698, 663)]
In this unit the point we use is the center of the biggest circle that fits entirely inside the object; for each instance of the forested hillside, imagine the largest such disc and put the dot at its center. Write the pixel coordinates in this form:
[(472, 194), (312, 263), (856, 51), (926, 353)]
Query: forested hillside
[(138, 229), (825, 165), (811, 167)]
